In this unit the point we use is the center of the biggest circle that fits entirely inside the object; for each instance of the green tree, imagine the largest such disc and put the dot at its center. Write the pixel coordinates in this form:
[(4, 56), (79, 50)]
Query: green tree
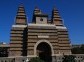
[(36, 59), (82, 49), (69, 58), (78, 50)]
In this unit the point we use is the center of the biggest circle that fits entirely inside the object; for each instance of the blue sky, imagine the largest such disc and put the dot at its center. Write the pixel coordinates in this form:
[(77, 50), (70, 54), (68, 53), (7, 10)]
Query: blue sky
[(71, 11)]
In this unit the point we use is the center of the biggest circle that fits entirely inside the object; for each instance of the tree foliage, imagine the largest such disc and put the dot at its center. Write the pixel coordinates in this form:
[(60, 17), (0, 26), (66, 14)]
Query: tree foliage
[(36, 59), (78, 50), (69, 58)]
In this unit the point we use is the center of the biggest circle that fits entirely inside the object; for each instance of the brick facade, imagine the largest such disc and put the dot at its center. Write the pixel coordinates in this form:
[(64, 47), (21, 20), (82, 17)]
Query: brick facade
[(25, 38)]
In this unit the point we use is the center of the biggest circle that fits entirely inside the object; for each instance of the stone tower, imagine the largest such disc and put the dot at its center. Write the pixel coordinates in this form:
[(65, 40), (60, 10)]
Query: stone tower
[(56, 19), (47, 39), (42, 38), (18, 39), (62, 33)]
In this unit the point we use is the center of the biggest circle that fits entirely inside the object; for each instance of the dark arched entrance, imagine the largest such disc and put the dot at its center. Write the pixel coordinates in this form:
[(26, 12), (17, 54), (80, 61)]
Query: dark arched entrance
[(44, 52)]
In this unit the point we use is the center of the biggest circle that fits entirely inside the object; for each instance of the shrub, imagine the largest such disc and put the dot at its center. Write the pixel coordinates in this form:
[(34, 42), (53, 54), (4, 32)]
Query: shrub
[(35, 59)]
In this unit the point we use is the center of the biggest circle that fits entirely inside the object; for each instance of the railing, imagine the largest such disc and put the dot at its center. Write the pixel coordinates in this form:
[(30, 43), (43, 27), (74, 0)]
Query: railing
[(6, 59), (58, 58)]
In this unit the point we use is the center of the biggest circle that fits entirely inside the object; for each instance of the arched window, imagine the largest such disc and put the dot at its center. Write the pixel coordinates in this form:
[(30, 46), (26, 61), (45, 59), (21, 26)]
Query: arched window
[(41, 19)]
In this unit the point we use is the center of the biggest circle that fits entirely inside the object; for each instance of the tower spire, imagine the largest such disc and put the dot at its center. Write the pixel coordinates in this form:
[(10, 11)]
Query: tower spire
[(21, 16), (37, 11), (56, 19)]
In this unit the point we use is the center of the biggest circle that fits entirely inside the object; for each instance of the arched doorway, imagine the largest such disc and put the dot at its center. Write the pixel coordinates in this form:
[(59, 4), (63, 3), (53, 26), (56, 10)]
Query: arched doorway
[(44, 51)]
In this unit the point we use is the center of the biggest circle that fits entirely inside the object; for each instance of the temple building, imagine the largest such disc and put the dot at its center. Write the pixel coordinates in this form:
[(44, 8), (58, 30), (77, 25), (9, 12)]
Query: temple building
[(44, 37), (4, 49)]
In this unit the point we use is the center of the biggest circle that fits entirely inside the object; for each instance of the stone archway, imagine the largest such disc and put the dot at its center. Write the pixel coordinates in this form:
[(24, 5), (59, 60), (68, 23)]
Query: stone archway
[(43, 50), (40, 41)]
